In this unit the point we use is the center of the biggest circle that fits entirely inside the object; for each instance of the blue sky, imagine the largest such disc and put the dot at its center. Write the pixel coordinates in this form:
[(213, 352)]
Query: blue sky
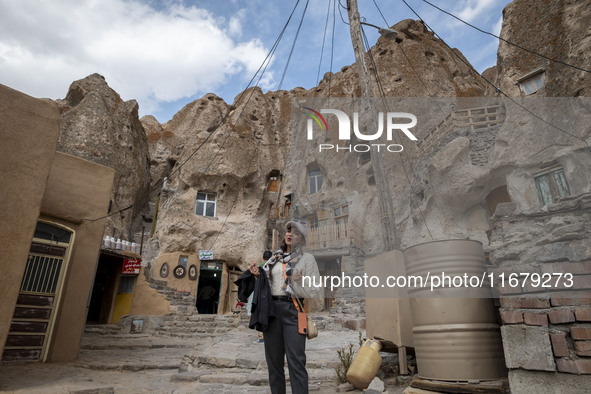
[(167, 53)]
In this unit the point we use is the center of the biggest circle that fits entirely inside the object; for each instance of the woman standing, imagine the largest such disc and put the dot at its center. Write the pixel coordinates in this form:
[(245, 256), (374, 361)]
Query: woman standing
[(285, 271)]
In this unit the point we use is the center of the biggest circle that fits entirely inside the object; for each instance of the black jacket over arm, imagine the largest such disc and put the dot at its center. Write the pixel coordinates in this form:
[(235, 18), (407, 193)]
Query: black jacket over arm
[(262, 302)]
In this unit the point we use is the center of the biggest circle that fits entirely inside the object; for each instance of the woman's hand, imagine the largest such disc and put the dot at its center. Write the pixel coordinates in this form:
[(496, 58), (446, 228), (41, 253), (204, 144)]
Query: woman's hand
[(254, 270), (297, 275)]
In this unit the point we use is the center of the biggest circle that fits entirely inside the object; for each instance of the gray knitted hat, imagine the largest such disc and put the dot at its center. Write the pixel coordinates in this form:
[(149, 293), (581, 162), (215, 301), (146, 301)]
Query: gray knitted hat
[(299, 225)]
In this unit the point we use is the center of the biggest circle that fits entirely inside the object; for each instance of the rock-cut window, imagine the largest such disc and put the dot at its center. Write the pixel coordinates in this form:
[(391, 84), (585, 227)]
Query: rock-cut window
[(206, 204), (532, 82), (551, 185), (315, 177)]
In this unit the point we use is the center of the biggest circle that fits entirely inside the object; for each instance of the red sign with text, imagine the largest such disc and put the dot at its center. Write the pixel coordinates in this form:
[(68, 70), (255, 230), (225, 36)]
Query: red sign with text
[(131, 266)]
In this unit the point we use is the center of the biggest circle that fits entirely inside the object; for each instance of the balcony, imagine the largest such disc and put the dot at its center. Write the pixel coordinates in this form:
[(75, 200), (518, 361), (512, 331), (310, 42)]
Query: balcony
[(334, 236), (471, 119)]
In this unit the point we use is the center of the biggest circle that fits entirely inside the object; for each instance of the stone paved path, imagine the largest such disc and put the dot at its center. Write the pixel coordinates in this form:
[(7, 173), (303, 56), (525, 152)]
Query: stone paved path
[(123, 363)]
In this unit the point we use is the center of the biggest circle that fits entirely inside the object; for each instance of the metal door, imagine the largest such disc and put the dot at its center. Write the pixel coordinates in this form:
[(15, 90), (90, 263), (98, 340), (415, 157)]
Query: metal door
[(35, 310)]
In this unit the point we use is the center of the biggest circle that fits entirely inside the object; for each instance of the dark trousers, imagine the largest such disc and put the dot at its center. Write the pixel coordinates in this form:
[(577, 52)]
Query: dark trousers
[(282, 338)]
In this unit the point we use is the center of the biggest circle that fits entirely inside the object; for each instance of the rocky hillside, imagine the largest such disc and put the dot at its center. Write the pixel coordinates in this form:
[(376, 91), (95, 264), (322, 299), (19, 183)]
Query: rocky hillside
[(97, 125), (254, 140), (557, 29), (232, 149)]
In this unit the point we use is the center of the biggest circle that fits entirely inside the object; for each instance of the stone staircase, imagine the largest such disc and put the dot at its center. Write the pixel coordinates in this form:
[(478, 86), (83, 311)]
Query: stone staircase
[(102, 329), (190, 324), (235, 361), (180, 301)]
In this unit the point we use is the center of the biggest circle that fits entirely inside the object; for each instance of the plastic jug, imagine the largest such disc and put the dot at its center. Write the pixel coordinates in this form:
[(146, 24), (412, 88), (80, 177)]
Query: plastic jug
[(366, 364)]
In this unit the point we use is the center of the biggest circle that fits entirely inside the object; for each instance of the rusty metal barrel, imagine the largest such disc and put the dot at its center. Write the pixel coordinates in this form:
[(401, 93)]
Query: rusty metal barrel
[(456, 333)]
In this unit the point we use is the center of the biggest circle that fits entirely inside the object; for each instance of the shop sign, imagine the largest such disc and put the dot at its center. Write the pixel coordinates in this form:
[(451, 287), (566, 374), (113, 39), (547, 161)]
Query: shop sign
[(322, 214), (206, 255), (131, 266)]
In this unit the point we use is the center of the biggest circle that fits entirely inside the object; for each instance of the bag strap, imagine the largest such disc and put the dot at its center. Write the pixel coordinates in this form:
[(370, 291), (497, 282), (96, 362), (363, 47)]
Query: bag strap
[(296, 301)]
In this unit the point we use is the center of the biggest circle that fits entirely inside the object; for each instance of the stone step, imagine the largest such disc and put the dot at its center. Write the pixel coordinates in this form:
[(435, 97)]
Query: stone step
[(102, 329), (196, 326), (191, 330), (196, 320), (187, 335), (138, 360), (237, 376), (177, 329), (128, 346), (217, 362)]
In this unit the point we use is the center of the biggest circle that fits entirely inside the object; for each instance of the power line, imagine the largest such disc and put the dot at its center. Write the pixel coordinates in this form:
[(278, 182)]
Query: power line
[(334, 22), (263, 66), (254, 155), (293, 45), (323, 42), (111, 214), (380, 11), (502, 39), (409, 62), (340, 13), (491, 84), (383, 96)]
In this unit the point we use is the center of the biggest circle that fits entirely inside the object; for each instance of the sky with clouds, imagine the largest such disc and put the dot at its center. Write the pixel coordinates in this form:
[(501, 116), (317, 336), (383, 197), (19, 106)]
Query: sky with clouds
[(167, 53)]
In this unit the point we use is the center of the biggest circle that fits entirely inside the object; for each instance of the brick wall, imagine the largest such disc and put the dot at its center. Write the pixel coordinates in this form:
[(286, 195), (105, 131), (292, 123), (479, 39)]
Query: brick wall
[(545, 329)]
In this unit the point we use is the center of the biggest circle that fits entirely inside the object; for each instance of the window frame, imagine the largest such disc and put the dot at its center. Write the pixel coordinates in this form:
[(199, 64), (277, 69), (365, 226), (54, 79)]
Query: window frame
[(555, 190), (183, 260), (313, 223), (526, 82), (316, 177), (341, 217), (205, 202)]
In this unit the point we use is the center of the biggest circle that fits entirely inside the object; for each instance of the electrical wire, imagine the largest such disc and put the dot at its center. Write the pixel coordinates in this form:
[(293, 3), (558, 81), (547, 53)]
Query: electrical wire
[(341, 15), (383, 97), (293, 45), (506, 41), (334, 20), (323, 42), (380, 11), (251, 161), (408, 60), (254, 155), (264, 64), (263, 67), (491, 84)]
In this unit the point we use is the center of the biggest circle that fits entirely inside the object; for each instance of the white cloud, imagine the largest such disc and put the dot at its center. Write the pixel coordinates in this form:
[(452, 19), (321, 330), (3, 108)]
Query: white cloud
[(496, 28), (144, 53), (235, 24), (473, 9)]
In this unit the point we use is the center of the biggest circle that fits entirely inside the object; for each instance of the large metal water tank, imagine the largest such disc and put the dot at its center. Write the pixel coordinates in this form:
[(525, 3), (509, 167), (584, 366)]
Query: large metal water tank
[(456, 333)]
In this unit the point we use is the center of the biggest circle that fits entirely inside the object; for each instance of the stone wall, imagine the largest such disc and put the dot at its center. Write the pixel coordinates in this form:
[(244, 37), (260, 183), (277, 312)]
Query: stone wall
[(548, 330)]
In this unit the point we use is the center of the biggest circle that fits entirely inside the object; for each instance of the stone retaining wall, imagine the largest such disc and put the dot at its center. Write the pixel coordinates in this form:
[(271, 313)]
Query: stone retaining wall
[(547, 330)]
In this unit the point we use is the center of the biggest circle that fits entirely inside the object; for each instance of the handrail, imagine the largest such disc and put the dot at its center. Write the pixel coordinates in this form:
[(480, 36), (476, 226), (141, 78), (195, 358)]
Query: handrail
[(333, 236), (469, 118)]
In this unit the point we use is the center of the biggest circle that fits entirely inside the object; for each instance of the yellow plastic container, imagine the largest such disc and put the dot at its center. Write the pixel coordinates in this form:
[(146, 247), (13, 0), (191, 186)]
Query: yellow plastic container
[(365, 365)]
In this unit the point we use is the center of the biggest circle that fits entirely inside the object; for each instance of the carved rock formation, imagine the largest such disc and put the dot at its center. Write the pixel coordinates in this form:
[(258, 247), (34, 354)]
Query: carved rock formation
[(97, 125), (557, 29)]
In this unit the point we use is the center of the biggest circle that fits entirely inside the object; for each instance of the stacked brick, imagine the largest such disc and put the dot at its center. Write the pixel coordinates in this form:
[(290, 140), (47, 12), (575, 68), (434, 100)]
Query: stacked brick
[(568, 327), (545, 329)]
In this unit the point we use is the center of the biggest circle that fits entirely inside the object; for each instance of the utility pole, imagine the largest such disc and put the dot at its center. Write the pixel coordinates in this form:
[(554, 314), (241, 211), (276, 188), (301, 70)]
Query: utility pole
[(391, 240)]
